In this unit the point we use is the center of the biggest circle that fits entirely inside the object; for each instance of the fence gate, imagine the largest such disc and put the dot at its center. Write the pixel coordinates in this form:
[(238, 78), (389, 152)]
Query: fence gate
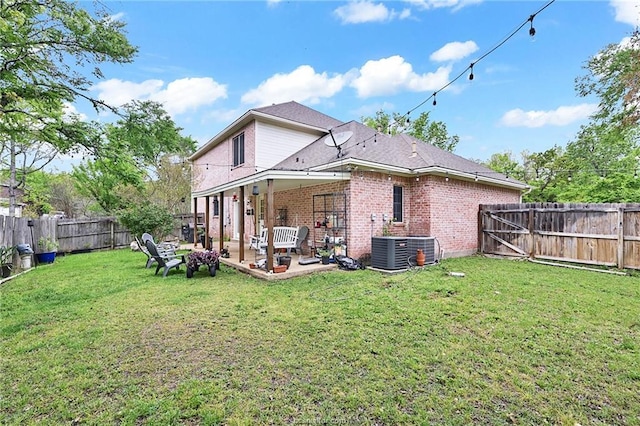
[(595, 234), (505, 232)]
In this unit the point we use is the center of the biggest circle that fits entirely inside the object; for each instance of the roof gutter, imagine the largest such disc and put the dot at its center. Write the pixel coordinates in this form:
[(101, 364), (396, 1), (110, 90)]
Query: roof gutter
[(477, 177)]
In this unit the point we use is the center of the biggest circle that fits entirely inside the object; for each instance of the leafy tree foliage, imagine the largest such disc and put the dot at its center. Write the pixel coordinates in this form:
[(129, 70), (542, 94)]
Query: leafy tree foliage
[(433, 132), (46, 47), (603, 162), (133, 153), (172, 188)]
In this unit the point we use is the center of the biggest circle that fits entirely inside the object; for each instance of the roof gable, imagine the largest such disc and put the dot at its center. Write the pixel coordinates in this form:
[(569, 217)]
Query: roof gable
[(286, 114)]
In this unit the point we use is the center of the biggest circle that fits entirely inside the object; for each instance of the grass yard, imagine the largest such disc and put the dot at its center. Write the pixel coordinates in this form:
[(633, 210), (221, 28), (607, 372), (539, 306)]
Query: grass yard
[(97, 339)]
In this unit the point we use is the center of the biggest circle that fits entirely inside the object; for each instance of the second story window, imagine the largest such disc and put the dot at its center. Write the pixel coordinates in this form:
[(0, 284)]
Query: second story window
[(238, 150)]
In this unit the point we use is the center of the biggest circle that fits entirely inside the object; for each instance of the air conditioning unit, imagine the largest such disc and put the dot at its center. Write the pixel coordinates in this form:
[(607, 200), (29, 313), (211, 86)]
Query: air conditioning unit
[(426, 244), (394, 253)]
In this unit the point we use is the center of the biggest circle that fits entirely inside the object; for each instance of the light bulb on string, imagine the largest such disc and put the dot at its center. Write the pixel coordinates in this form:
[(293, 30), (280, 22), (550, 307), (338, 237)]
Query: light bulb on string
[(471, 69), (532, 31), (434, 99)]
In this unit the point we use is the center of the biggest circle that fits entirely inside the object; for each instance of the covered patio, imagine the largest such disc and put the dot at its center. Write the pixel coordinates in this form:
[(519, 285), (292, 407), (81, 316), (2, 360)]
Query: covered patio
[(264, 184)]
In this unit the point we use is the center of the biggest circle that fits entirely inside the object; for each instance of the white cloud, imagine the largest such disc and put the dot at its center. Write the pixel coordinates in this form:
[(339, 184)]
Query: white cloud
[(273, 3), (436, 4), (178, 97), (117, 92), (188, 94), (361, 11), (302, 85), (454, 51), (627, 11), (390, 75), (559, 117)]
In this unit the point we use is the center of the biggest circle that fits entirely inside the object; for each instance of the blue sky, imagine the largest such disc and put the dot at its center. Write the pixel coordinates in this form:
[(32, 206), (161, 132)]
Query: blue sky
[(209, 62)]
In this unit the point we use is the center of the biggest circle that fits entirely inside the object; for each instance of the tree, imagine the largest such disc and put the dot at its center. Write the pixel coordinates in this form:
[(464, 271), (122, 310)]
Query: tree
[(172, 188), (131, 156), (604, 156), (613, 75), (46, 50), (433, 132), (507, 165)]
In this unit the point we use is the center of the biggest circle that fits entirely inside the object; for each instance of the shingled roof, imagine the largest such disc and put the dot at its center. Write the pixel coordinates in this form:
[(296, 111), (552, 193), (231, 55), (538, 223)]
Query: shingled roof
[(365, 145), (294, 111)]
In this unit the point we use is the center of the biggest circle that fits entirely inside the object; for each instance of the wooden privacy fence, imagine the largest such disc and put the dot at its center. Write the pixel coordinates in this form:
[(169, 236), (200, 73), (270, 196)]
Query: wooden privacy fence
[(72, 235), (595, 234)]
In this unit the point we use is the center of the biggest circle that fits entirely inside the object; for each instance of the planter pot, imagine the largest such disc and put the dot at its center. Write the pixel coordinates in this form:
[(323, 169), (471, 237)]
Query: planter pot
[(6, 270), (284, 260), (279, 269), (46, 257), (25, 261), (325, 260)]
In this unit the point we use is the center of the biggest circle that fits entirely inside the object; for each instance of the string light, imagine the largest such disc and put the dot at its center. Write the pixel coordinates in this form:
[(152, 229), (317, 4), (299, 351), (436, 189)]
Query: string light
[(446, 179), (532, 32)]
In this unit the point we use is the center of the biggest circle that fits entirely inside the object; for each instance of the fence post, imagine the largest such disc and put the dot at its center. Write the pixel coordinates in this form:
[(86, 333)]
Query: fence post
[(112, 230), (621, 238), (532, 241)]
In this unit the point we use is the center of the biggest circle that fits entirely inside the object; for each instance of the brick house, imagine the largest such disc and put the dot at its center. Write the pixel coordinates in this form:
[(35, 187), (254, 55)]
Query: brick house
[(288, 164)]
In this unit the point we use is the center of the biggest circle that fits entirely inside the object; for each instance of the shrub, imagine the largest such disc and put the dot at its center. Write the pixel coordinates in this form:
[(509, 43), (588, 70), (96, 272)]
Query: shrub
[(147, 217)]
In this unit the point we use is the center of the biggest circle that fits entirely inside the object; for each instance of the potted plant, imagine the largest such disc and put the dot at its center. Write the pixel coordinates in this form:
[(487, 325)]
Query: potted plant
[(207, 257), (324, 255), (6, 260), (48, 249)]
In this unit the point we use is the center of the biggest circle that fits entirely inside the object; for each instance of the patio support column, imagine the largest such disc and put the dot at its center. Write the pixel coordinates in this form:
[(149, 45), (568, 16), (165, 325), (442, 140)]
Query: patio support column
[(195, 222), (207, 245), (270, 211), (221, 222), (241, 230)]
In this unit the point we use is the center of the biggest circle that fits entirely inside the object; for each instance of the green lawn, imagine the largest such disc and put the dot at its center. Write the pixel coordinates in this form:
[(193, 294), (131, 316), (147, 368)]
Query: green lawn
[(97, 339)]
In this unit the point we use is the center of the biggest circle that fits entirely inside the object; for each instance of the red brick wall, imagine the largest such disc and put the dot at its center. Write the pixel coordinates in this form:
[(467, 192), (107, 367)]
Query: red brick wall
[(215, 166), (433, 206), (447, 210), (454, 211)]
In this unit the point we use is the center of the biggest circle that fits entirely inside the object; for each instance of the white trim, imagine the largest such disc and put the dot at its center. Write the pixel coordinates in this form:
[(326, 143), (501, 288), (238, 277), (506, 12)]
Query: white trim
[(276, 175)]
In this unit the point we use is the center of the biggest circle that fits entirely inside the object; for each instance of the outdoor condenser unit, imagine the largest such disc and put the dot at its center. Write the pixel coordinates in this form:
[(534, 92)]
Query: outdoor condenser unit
[(392, 253)]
